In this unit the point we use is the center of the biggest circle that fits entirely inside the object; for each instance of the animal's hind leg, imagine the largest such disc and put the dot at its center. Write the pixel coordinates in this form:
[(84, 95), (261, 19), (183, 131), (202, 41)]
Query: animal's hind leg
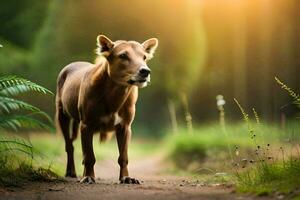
[(75, 126), (64, 123), (88, 154)]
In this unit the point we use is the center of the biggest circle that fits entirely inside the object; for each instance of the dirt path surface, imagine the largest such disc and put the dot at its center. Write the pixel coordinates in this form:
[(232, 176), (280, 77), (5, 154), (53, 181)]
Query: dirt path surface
[(154, 186)]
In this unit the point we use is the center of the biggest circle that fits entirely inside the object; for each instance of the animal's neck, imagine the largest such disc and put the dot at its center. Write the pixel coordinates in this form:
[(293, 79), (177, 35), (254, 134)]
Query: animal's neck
[(113, 93)]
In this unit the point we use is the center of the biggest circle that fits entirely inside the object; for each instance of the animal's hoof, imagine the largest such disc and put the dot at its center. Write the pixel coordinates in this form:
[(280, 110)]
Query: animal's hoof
[(128, 180), (88, 180)]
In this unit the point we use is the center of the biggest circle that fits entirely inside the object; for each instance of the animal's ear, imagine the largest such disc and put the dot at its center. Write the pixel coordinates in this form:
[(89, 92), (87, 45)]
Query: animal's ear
[(104, 45), (150, 46)]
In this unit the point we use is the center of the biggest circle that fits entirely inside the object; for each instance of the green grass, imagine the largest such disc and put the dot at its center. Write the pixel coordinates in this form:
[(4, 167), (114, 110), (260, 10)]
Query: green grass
[(44, 157), (19, 163), (201, 155), (206, 153), (24, 171), (267, 178), (52, 148), (211, 143)]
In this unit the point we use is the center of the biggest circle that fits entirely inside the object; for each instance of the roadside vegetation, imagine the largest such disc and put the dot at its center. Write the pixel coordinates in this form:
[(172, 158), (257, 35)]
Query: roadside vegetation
[(278, 171), (257, 157), (17, 155)]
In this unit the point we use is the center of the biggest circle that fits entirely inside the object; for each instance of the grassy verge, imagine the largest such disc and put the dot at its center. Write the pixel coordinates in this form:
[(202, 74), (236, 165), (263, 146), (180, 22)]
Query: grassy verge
[(260, 159), (44, 157), (211, 144), (53, 150), (19, 163), (267, 178)]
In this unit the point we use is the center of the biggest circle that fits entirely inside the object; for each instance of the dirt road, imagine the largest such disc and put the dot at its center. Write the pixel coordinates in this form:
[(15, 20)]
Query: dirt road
[(154, 186)]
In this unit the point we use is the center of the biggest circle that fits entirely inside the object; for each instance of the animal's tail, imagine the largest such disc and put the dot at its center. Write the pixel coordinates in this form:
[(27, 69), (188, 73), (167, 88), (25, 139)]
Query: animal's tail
[(105, 136)]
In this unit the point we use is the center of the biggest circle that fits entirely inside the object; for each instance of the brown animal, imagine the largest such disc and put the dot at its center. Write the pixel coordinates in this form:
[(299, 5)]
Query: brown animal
[(101, 97)]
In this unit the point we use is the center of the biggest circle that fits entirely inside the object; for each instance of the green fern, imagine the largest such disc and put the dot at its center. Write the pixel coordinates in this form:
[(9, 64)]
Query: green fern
[(9, 104), (16, 144), (13, 85), (15, 122)]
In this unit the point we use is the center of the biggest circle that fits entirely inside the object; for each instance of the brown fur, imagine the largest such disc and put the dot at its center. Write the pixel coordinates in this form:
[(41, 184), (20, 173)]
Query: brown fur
[(101, 97)]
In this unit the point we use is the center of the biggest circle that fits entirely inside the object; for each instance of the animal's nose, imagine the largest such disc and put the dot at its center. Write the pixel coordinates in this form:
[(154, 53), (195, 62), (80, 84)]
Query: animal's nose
[(144, 72)]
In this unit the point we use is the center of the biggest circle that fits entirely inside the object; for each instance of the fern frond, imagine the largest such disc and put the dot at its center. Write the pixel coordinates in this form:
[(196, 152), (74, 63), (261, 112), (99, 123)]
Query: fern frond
[(43, 114), (16, 144), (15, 122), (8, 104), (14, 85)]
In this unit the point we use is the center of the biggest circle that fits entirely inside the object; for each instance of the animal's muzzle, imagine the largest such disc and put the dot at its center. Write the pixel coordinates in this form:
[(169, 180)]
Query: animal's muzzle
[(144, 72), (142, 78)]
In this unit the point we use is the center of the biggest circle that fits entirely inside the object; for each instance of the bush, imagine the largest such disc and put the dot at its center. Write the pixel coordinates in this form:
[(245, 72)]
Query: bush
[(187, 150), (211, 143)]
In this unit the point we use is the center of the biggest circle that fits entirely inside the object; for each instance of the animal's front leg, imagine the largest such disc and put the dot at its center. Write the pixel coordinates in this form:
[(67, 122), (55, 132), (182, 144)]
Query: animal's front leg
[(88, 154), (123, 133)]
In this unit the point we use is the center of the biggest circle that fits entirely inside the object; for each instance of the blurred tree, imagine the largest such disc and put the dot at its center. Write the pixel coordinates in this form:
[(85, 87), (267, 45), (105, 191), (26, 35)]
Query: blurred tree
[(20, 24), (249, 42), (21, 20)]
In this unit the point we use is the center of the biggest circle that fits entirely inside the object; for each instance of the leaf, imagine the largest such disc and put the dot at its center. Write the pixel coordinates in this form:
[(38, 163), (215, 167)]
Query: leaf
[(16, 144), (15, 122), (14, 85), (8, 104)]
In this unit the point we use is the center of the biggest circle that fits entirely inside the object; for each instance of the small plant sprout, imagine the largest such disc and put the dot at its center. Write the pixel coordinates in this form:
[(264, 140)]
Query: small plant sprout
[(293, 94), (220, 104), (1, 45), (256, 116), (247, 120), (257, 119), (188, 116), (245, 115)]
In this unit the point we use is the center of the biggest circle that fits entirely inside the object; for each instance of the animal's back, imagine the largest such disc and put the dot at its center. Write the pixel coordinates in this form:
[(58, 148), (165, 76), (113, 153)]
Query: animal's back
[(68, 85)]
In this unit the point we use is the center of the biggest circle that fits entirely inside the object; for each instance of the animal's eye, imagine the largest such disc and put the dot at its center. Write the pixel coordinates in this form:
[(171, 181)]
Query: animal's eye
[(123, 56), (145, 57)]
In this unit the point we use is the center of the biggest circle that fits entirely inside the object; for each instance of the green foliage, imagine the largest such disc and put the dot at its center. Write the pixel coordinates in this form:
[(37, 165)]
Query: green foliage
[(11, 86), (267, 178), (19, 163), (54, 146), (188, 150), (26, 15), (9, 146), (208, 147), (13, 59), (268, 173), (208, 143), (15, 168), (24, 173), (294, 95)]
